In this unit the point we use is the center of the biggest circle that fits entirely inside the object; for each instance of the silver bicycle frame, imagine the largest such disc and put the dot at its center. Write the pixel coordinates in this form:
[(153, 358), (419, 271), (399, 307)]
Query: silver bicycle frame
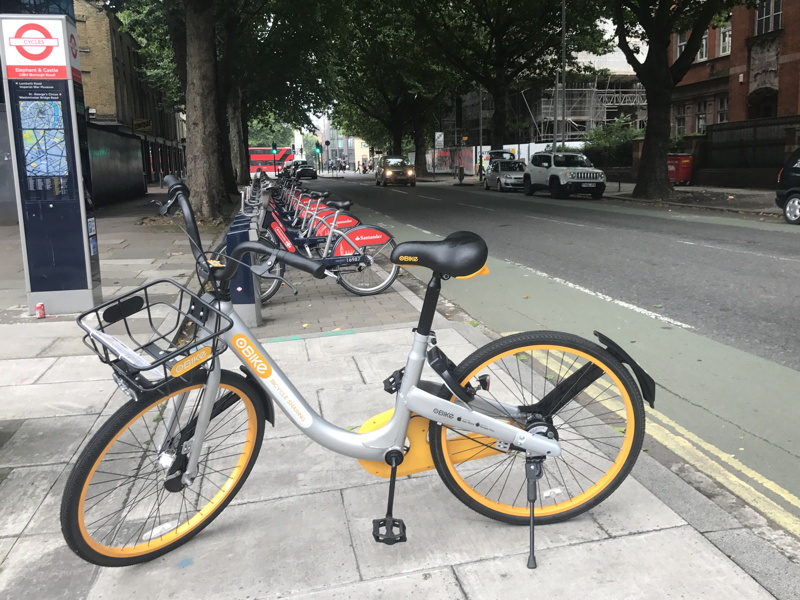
[(371, 445)]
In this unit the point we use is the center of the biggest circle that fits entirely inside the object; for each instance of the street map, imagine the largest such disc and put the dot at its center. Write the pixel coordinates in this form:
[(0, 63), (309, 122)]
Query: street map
[(43, 138)]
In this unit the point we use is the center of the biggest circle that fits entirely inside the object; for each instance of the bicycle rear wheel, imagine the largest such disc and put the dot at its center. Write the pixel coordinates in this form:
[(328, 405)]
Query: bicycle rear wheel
[(267, 287), (116, 509), (599, 424), (374, 274)]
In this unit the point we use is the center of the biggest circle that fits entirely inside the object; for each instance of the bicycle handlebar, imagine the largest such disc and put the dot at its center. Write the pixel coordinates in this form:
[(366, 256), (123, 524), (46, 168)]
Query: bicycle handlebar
[(292, 260), (178, 192)]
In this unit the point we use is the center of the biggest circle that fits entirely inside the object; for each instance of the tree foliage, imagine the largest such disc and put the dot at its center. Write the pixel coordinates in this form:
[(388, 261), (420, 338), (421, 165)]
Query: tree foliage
[(651, 22), (497, 43)]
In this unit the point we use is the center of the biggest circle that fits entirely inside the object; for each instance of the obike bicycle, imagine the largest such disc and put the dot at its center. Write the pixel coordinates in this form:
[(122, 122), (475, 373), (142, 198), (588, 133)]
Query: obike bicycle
[(533, 428)]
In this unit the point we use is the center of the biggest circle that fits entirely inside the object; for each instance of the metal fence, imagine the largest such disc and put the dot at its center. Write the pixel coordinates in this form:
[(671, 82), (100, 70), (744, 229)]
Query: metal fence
[(756, 143)]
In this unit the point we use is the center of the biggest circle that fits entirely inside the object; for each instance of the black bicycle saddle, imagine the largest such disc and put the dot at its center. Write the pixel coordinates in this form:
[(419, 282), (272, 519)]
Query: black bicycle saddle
[(460, 254)]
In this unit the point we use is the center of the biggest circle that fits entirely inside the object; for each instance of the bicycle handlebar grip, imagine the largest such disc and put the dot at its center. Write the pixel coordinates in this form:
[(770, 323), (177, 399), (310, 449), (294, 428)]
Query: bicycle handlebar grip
[(301, 262), (174, 185)]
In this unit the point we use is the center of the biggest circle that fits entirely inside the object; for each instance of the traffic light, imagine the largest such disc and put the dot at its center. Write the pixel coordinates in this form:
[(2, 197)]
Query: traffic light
[(318, 148), (292, 148), (274, 148)]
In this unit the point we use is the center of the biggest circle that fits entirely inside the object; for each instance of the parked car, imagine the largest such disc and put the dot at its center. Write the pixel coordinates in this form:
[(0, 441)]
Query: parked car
[(500, 155), (563, 173), (394, 169), (304, 170), (504, 175), (787, 195)]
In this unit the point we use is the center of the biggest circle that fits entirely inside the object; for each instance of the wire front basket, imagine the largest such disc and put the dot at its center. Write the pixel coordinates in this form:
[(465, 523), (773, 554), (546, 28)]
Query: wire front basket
[(154, 333)]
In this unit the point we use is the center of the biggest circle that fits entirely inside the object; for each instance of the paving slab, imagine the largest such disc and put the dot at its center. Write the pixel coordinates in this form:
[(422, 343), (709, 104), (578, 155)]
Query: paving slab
[(255, 550), (24, 371), (76, 369), (43, 566), (54, 399), (671, 564), (45, 441), (442, 531), (426, 585), (21, 494), (294, 466)]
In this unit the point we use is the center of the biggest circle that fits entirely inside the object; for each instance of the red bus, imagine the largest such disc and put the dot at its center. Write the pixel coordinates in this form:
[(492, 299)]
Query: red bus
[(264, 159)]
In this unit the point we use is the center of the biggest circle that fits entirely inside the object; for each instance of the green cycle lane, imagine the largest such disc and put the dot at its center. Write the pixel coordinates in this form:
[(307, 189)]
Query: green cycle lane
[(729, 414)]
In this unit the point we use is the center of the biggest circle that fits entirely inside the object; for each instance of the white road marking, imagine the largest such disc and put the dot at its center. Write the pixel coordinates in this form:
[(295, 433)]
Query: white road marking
[(478, 207), (628, 305), (431, 198), (786, 258), (564, 222)]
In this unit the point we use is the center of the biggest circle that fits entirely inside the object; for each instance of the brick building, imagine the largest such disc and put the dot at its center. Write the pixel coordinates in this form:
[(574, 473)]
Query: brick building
[(739, 104), (117, 99), (748, 68)]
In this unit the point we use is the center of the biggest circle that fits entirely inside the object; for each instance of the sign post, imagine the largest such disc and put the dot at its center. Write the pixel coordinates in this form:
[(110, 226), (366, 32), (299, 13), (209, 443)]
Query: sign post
[(50, 157), (438, 143)]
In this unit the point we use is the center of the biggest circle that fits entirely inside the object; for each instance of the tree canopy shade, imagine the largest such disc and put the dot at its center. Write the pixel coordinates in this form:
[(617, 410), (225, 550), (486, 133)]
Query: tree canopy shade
[(386, 89), (231, 62), (498, 43), (652, 22)]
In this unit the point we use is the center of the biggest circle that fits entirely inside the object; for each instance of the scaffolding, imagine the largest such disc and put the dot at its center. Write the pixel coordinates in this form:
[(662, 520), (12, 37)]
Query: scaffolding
[(587, 106)]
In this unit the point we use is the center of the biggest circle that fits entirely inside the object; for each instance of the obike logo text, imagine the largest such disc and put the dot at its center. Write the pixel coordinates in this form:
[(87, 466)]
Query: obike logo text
[(284, 239), (442, 413), (190, 362), (252, 356), (409, 258)]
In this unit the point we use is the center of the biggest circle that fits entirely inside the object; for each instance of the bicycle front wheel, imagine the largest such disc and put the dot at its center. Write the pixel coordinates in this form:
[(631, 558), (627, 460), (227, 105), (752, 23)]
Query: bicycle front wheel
[(554, 382), (117, 510), (372, 276)]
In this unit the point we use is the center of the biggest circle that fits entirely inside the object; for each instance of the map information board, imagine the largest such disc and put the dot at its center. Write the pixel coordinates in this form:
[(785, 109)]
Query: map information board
[(43, 140)]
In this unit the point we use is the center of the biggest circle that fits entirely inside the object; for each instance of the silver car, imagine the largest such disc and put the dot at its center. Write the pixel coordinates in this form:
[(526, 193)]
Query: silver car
[(504, 175)]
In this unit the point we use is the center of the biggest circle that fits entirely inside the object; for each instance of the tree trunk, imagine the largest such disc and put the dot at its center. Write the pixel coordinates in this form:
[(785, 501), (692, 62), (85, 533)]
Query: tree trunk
[(499, 118), (238, 145), (652, 180), (203, 160), (421, 144)]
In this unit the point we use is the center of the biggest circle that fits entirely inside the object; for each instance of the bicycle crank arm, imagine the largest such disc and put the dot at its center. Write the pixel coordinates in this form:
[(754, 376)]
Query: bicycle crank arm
[(451, 414)]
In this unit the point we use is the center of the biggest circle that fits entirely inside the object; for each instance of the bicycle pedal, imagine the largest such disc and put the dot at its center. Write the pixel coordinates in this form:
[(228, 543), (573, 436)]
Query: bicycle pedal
[(388, 531)]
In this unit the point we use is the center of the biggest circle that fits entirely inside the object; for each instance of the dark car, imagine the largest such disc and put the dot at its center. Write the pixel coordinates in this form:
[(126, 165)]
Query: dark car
[(787, 196), (395, 169), (304, 169)]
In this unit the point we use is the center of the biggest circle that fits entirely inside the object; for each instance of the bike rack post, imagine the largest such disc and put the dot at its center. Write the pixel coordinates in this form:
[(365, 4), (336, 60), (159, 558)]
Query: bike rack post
[(244, 287)]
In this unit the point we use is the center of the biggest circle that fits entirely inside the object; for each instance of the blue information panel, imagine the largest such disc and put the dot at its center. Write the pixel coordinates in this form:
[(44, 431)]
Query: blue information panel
[(42, 119)]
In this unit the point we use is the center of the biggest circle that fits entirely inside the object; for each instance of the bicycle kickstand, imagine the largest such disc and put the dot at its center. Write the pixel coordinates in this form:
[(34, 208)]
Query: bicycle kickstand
[(390, 530), (533, 473)]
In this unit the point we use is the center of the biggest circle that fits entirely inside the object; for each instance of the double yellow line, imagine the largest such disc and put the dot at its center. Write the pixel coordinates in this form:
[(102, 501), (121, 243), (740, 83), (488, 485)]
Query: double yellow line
[(724, 469)]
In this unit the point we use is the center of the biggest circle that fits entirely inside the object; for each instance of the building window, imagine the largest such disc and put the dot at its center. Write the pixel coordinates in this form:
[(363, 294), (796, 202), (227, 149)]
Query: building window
[(725, 40), (702, 54), (768, 16), (681, 45), (700, 117), (680, 119), (722, 109)]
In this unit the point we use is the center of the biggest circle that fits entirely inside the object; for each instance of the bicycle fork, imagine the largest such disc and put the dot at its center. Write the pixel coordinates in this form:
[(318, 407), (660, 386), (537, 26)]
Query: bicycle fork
[(182, 468)]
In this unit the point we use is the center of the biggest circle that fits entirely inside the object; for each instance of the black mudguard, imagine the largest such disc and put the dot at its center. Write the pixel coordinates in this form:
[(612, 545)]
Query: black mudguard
[(269, 408), (646, 383)]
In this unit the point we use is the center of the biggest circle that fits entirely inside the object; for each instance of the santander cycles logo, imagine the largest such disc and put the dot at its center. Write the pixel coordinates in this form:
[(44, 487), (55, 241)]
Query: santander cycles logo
[(33, 41)]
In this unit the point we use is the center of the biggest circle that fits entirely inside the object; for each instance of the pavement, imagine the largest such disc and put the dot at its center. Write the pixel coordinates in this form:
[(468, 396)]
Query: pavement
[(301, 526)]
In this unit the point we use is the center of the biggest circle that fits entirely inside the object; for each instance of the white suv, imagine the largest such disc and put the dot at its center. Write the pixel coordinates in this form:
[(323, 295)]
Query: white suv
[(563, 173)]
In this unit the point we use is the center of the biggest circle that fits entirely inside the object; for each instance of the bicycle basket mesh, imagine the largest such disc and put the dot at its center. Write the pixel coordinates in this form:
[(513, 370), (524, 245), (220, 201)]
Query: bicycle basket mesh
[(158, 331)]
